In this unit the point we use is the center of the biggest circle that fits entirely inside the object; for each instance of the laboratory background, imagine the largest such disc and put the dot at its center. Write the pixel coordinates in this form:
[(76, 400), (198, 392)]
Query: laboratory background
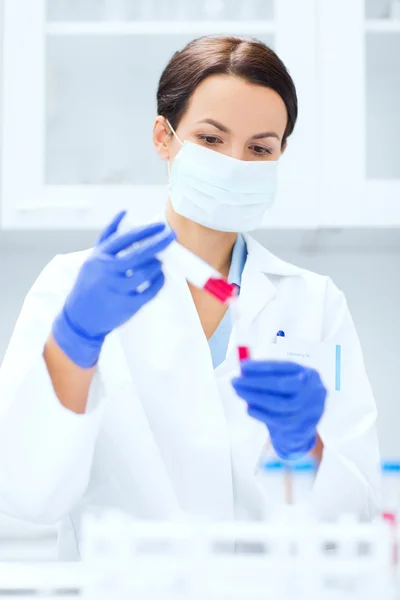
[(78, 81)]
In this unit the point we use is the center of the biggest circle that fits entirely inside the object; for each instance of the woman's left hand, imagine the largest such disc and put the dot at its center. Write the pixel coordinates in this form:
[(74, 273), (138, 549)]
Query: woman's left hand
[(288, 398)]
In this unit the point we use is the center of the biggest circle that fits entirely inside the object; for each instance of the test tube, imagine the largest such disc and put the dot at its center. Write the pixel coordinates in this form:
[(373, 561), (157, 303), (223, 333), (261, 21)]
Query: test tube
[(391, 486), (242, 335), (198, 272), (286, 482), (195, 270), (391, 500)]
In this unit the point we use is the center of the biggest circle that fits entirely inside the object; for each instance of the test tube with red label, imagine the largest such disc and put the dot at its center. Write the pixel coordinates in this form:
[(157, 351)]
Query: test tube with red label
[(203, 276), (242, 338), (198, 272), (195, 270)]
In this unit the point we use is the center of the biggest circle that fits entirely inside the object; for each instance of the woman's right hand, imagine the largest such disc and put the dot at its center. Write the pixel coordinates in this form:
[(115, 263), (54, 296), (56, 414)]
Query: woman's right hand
[(110, 288)]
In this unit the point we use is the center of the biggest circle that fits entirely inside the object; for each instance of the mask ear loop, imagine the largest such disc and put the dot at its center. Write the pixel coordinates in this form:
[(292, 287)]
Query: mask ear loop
[(181, 143), (174, 132)]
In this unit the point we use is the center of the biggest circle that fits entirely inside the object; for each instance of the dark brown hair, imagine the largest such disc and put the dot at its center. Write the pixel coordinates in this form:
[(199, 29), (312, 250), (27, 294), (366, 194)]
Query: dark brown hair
[(249, 59)]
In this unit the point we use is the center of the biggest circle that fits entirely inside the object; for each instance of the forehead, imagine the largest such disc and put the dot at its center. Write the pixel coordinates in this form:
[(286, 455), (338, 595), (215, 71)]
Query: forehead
[(237, 104)]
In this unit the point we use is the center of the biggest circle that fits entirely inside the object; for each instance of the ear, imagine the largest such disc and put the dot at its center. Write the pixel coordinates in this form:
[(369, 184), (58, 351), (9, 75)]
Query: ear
[(161, 137)]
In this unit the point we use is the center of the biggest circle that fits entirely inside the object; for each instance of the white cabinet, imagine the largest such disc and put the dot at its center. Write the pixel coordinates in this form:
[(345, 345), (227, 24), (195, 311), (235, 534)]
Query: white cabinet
[(78, 103), (359, 65)]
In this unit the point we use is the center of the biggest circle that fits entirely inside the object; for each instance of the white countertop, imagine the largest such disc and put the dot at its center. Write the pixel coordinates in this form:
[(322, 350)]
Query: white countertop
[(41, 576)]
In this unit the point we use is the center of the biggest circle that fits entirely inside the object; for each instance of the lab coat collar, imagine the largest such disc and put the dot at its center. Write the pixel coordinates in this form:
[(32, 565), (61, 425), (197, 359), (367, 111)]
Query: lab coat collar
[(258, 287), (267, 262), (239, 256)]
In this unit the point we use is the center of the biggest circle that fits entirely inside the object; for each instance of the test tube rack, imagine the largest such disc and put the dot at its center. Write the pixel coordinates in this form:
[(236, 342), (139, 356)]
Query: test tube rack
[(290, 556), (287, 558)]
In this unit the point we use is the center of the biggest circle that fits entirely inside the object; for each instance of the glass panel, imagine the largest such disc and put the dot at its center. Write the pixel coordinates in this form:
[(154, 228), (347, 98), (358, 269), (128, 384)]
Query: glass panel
[(383, 102), (101, 103), (172, 10), (382, 9), (74, 10)]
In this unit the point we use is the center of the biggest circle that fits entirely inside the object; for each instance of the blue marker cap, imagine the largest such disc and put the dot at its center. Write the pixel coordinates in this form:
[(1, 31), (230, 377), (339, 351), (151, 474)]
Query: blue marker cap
[(280, 333)]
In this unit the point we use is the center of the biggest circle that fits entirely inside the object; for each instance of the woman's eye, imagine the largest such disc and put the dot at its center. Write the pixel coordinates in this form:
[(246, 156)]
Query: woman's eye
[(260, 150), (210, 140)]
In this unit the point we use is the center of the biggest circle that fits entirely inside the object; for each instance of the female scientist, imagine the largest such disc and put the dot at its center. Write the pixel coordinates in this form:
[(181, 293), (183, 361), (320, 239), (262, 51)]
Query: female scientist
[(121, 388)]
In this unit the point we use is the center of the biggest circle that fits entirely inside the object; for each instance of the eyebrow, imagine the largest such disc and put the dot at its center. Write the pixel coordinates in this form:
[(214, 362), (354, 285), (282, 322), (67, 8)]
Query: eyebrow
[(266, 134), (257, 136), (215, 124)]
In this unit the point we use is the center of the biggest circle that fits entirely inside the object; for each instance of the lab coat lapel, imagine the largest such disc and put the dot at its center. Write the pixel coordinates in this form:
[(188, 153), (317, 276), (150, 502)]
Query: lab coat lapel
[(259, 316), (207, 460), (174, 376), (214, 416), (256, 290), (259, 306), (262, 314)]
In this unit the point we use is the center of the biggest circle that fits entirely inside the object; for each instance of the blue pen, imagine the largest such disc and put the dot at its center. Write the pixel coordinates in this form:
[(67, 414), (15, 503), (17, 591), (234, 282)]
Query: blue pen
[(280, 333)]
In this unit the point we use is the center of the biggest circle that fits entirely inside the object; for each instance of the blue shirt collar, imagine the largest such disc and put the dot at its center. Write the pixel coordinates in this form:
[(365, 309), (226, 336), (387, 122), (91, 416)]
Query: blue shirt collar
[(239, 255)]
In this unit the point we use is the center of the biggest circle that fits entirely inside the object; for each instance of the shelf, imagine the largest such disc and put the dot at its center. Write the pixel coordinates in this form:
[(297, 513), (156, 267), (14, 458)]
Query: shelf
[(47, 243), (159, 27), (382, 25)]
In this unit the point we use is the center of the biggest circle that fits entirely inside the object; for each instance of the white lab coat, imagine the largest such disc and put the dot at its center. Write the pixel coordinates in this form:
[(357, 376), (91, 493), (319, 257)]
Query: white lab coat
[(164, 432)]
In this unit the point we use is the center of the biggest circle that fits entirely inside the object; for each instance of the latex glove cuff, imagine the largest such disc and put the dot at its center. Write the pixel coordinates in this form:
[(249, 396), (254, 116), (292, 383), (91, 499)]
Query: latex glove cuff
[(81, 349), (299, 453)]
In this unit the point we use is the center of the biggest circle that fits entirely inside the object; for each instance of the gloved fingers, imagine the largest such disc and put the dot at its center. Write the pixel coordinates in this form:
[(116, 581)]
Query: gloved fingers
[(259, 401), (288, 443), (311, 443), (278, 385), (129, 284), (147, 251), (153, 247), (151, 291), (272, 403), (271, 406), (318, 395), (296, 430), (289, 449), (256, 413), (291, 410), (117, 243), (315, 381), (111, 227), (270, 367)]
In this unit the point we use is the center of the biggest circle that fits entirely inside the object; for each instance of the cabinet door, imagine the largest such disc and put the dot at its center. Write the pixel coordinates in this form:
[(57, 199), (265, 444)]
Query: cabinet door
[(360, 99), (297, 201), (80, 80)]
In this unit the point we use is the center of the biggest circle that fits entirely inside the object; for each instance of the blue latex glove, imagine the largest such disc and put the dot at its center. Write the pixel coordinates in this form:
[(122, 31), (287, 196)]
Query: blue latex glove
[(110, 288), (288, 398)]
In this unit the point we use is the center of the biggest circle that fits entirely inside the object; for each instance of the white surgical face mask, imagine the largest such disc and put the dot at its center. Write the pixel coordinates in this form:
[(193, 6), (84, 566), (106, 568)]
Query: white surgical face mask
[(218, 191)]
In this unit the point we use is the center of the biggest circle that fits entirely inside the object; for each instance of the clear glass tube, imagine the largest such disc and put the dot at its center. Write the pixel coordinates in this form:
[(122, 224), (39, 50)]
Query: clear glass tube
[(391, 486), (286, 482)]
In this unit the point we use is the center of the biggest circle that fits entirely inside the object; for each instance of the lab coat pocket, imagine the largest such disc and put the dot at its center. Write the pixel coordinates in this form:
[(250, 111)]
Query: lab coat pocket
[(324, 357)]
